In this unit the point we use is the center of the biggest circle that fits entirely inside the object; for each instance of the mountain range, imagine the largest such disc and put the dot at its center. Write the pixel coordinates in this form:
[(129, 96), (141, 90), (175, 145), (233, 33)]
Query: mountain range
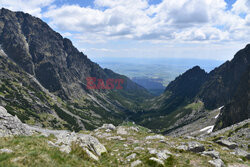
[(44, 71), (43, 82), (196, 91)]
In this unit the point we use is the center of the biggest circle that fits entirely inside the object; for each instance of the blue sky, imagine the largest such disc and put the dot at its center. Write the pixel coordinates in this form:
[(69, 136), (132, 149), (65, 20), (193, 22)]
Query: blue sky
[(202, 29)]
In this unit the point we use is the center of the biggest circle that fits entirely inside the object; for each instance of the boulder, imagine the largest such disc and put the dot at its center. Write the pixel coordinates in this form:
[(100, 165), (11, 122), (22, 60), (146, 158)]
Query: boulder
[(152, 151), (108, 126), (139, 148), (122, 131), (131, 156), (182, 147), (11, 125), (242, 153), (217, 163), (6, 150), (162, 155), (195, 147), (157, 161), (136, 129), (136, 163), (90, 144), (227, 143), (213, 154), (155, 137)]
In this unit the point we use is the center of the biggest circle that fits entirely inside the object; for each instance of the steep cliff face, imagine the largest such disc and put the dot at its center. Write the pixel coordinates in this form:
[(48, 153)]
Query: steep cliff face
[(22, 96), (226, 85), (61, 69), (223, 81), (42, 52), (238, 109)]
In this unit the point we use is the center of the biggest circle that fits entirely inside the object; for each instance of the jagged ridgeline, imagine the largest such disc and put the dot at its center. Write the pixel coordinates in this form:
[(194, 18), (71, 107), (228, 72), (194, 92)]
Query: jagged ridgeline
[(196, 94), (43, 79)]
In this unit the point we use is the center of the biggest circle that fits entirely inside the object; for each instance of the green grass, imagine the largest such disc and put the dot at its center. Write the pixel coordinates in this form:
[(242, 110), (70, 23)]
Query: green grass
[(35, 151)]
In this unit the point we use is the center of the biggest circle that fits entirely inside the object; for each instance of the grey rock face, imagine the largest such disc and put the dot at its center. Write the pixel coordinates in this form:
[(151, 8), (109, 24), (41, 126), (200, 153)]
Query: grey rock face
[(108, 126), (90, 144), (242, 153), (65, 139), (227, 143), (58, 66), (160, 154), (195, 147), (213, 154), (5, 150), (217, 163), (11, 125), (157, 161), (130, 157), (182, 147), (136, 163), (121, 131), (155, 137)]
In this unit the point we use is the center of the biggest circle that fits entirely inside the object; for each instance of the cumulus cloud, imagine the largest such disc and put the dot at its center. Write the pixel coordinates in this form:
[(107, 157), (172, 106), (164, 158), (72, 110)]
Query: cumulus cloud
[(169, 20), (190, 20), (33, 7), (241, 6), (248, 20)]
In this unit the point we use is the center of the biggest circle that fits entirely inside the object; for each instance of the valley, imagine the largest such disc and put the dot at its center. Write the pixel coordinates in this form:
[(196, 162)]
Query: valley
[(163, 114)]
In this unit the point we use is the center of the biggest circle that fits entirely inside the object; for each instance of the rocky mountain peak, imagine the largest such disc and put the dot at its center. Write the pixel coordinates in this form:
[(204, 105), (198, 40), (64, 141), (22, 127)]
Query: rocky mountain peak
[(188, 81), (49, 69), (52, 59), (222, 82)]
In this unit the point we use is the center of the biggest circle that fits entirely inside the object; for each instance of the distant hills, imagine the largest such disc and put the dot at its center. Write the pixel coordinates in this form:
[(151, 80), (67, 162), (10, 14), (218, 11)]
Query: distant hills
[(166, 69), (153, 85)]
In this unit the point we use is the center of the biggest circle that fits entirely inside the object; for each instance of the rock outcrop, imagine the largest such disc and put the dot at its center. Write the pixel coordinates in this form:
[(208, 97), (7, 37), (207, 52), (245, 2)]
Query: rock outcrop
[(11, 125), (88, 143), (230, 145), (238, 108)]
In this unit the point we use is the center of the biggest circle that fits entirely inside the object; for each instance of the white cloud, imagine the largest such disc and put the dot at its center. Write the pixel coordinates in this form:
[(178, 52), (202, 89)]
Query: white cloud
[(190, 20), (170, 20), (33, 7), (241, 6), (248, 20)]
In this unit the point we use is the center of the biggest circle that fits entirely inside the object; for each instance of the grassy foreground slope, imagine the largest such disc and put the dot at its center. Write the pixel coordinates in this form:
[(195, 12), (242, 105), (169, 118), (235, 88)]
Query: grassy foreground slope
[(35, 150)]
